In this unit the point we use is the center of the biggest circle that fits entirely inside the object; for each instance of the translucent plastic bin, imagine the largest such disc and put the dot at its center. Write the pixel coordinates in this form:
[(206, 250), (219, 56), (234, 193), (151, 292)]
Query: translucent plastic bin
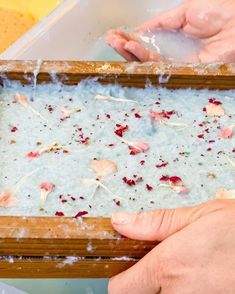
[(71, 31)]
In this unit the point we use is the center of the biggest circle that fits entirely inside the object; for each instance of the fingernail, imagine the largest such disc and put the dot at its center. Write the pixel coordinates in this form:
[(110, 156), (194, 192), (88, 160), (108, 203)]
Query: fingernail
[(122, 218)]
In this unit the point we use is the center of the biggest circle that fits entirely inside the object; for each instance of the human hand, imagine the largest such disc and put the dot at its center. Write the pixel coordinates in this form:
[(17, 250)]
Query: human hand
[(211, 21), (196, 255)]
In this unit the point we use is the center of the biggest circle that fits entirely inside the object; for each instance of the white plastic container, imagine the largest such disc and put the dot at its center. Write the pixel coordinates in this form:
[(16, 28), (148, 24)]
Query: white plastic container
[(72, 30)]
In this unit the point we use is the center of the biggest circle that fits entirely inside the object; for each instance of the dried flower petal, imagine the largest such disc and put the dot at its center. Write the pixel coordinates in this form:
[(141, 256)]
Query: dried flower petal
[(214, 101), (160, 165), (117, 202), (103, 168), (162, 116), (80, 214), (215, 110), (21, 99), (33, 155), (223, 193), (87, 183), (180, 189), (7, 199), (175, 180), (155, 115), (148, 187), (129, 182), (164, 178), (121, 129), (67, 111), (175, 183), (104, 97), (46, 189), (226, 133), (51, 148), (138, 147), (59, 213)]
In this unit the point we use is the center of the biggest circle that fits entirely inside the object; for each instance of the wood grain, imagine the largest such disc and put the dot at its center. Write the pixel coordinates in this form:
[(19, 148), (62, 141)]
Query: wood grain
[(61, 268), (44, 236), (220, 76)]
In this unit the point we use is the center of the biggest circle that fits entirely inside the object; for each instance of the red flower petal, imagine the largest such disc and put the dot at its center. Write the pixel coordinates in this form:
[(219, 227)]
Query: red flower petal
[(175, 180), (160, 165), (201, 136), (149, 188), (214, 101), (59, 213), (33, 154), (167, 114), (137, 115), (14, 129), (80, 214), (117, 202), (121, 129), (129, 182), (164, 178)]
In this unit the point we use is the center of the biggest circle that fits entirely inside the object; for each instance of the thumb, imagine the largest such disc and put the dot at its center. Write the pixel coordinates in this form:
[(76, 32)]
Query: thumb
[(159, 224), (173, 19), (143, 277)]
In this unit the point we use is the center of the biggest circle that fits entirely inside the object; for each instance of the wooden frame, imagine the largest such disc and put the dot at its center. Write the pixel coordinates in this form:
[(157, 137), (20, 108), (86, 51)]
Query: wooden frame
[(45, 251)]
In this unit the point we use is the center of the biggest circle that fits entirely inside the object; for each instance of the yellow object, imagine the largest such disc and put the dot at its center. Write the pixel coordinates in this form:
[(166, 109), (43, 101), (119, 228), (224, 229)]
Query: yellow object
[(36, 9), (18, 16)]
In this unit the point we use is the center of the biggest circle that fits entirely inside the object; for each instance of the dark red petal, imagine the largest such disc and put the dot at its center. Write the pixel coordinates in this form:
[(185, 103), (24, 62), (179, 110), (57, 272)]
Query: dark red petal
[(59, 213), (80, 214), (149, 188), (117, 202), (137, 115), (164, 178), (129, 182), (175, 179), (160, 165), (201, 136), (14, 129)]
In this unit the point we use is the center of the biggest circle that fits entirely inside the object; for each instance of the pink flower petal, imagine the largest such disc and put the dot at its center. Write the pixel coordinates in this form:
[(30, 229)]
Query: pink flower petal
[(7, 199), (33, 154), (180, 189), (138, 147), (155, 115), (48, 187), (215, 110), (226, 133), (103, 168), (21, 99), (223, 193)]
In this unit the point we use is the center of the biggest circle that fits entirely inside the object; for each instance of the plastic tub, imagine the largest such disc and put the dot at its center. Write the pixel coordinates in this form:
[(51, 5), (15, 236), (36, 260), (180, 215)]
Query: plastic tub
[(71, 31)]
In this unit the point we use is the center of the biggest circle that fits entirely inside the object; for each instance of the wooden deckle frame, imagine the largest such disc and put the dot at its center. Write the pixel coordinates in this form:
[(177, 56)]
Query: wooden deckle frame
[(57, 247)]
